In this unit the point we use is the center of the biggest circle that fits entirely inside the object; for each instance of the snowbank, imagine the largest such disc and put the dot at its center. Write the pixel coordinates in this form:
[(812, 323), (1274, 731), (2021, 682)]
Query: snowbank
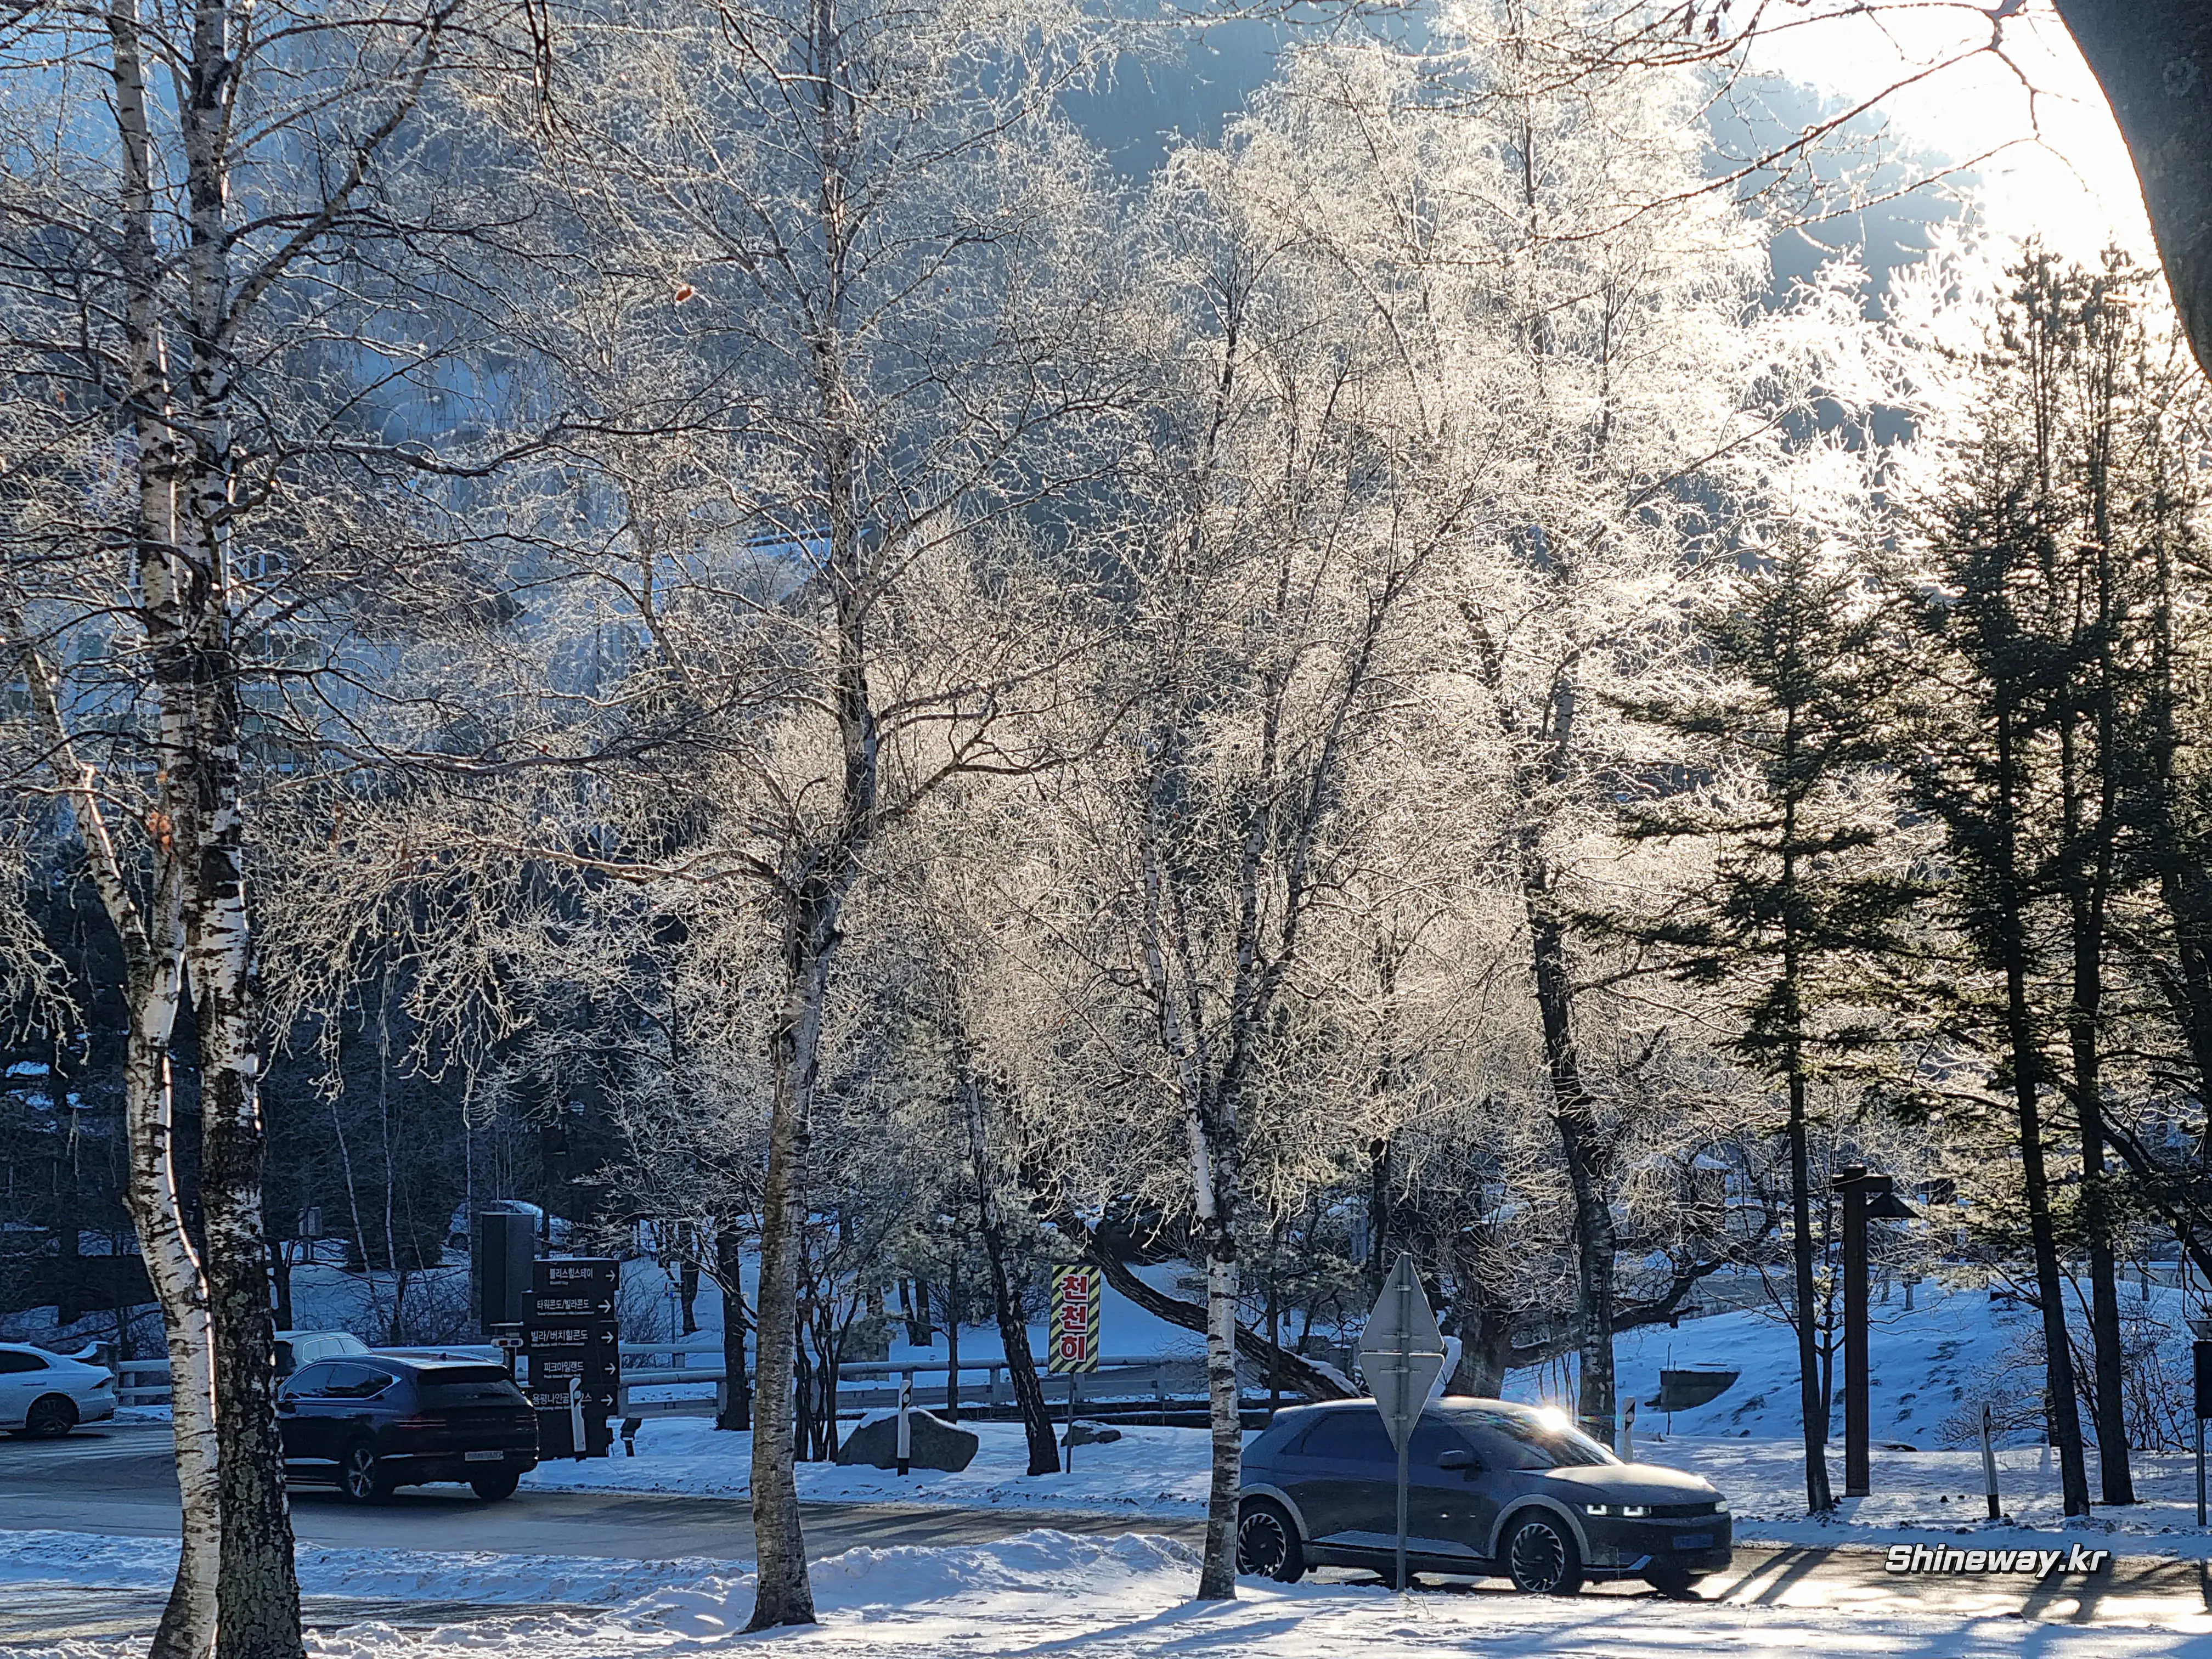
[(1161, 1474), (94, 1559), (1148, 1473), (1049, 1593)]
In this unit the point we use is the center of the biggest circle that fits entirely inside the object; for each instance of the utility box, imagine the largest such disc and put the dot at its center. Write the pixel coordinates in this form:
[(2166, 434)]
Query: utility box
[(503, 1242), (2203, 1352)]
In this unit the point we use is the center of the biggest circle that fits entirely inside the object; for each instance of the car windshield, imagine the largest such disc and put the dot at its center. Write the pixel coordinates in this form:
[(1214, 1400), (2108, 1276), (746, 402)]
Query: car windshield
[(1529, 1442)]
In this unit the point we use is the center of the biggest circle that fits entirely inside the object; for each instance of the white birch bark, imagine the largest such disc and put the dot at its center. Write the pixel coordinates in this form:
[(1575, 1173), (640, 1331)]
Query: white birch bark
[(257, 1589), (152, 939)]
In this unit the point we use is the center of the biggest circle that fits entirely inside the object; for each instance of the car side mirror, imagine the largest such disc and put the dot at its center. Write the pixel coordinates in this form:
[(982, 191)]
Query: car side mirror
[(1456, 1458), (288, 1407)]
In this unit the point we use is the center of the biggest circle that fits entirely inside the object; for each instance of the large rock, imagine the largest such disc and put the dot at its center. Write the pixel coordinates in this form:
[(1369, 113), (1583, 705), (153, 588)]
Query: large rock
[(937, 1443), (1084, 1432)]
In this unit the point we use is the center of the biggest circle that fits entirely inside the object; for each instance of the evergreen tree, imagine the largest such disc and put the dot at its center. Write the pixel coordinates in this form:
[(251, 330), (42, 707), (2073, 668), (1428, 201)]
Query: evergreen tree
[(2058, 753), (1797, 916), (1995, 752)]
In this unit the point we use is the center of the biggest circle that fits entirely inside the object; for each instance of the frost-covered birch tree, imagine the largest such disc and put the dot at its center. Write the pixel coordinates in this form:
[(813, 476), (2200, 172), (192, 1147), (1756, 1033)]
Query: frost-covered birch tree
[(197, 233), (878, 260), (1319, 446), (1646, 395)]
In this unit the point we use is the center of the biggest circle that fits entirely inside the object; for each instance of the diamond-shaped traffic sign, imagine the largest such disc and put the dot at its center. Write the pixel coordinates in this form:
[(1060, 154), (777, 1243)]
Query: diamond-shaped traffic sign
[(1402, 1353)]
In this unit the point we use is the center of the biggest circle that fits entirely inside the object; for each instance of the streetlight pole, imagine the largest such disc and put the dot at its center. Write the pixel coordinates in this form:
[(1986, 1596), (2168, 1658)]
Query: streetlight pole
[(1866, 1197)]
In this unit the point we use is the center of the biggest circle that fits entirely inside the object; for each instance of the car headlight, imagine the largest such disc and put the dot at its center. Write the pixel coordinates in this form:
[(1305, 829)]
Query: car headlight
[(1720, 1506), (1623, 1512)]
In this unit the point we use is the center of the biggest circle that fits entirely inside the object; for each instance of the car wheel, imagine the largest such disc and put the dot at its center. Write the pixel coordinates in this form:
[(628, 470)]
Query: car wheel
[(1675, 1582), (50, 1417), (360, 1480), (493, 1487), (1267, 1543), (1540, 1558)]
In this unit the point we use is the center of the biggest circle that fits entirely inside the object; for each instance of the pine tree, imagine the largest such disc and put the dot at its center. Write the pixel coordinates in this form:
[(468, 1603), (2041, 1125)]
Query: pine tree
[(1799, 913), (1995, 755)]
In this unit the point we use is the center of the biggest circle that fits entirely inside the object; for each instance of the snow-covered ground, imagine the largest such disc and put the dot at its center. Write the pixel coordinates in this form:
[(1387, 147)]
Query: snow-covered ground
[(1161, 1474), (1048, 1593), (79, 1557), (1919, 1497), (1931, 1366), (1149, 1473), (1929, 1363)]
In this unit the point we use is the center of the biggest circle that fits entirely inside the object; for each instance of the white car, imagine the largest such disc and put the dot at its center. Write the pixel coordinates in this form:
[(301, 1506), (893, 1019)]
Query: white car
[(298, 1348), (44, 1395)]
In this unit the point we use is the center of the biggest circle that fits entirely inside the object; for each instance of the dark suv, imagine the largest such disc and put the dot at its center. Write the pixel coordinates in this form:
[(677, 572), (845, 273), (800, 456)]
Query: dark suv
[(1491, 1488), (370, 1424)]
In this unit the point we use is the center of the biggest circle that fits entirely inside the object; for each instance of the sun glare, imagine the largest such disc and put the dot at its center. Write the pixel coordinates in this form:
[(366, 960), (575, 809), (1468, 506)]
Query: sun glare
[(2047, 157)]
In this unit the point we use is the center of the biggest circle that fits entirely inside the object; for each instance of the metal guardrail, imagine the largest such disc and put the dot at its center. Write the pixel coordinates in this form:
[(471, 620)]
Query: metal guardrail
[(128, 1393), (863, 1385), (1155, 1379)]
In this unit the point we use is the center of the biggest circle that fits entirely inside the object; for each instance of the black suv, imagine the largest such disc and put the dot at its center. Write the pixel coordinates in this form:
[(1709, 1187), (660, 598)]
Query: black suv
[(368, 1425), (1491, 1488)]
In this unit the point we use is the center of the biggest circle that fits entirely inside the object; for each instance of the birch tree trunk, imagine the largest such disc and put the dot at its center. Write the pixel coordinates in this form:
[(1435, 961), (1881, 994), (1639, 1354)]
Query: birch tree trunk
[(1213, 1168), (1209, 1129), (783, 1596), (258, 1593), (152, 939)]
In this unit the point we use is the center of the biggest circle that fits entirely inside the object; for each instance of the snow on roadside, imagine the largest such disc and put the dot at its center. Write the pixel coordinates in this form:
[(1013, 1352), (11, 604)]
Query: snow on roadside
[(1149, 1473), (96, 1559), (1113, 1598), (1926, 1497), (1161, 1474)]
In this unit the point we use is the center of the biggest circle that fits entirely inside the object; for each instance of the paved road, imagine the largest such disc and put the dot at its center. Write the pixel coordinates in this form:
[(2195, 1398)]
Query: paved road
[(117, 1480)]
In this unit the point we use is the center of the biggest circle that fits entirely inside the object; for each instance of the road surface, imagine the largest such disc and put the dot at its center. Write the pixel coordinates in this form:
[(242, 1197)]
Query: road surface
[(117, 1480)]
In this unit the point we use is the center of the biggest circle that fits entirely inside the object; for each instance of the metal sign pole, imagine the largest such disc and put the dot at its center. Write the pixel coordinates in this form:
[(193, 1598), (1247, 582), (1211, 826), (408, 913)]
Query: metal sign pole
[(1074, 1378), (1988, 1462), (1405, 1448), (576, 1417), (2201, 1354), (1401, 1354), (1405, 1441), (906, 1424)]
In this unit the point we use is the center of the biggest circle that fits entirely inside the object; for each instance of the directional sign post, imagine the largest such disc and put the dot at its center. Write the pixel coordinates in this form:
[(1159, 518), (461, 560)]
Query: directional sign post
[(1071, 1337), (1401, 1354), (573, 1338)]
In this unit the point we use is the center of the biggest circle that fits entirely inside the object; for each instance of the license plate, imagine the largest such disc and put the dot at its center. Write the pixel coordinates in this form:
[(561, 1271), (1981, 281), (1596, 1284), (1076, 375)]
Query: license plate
[(1688, 1540), (483, 1457)]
